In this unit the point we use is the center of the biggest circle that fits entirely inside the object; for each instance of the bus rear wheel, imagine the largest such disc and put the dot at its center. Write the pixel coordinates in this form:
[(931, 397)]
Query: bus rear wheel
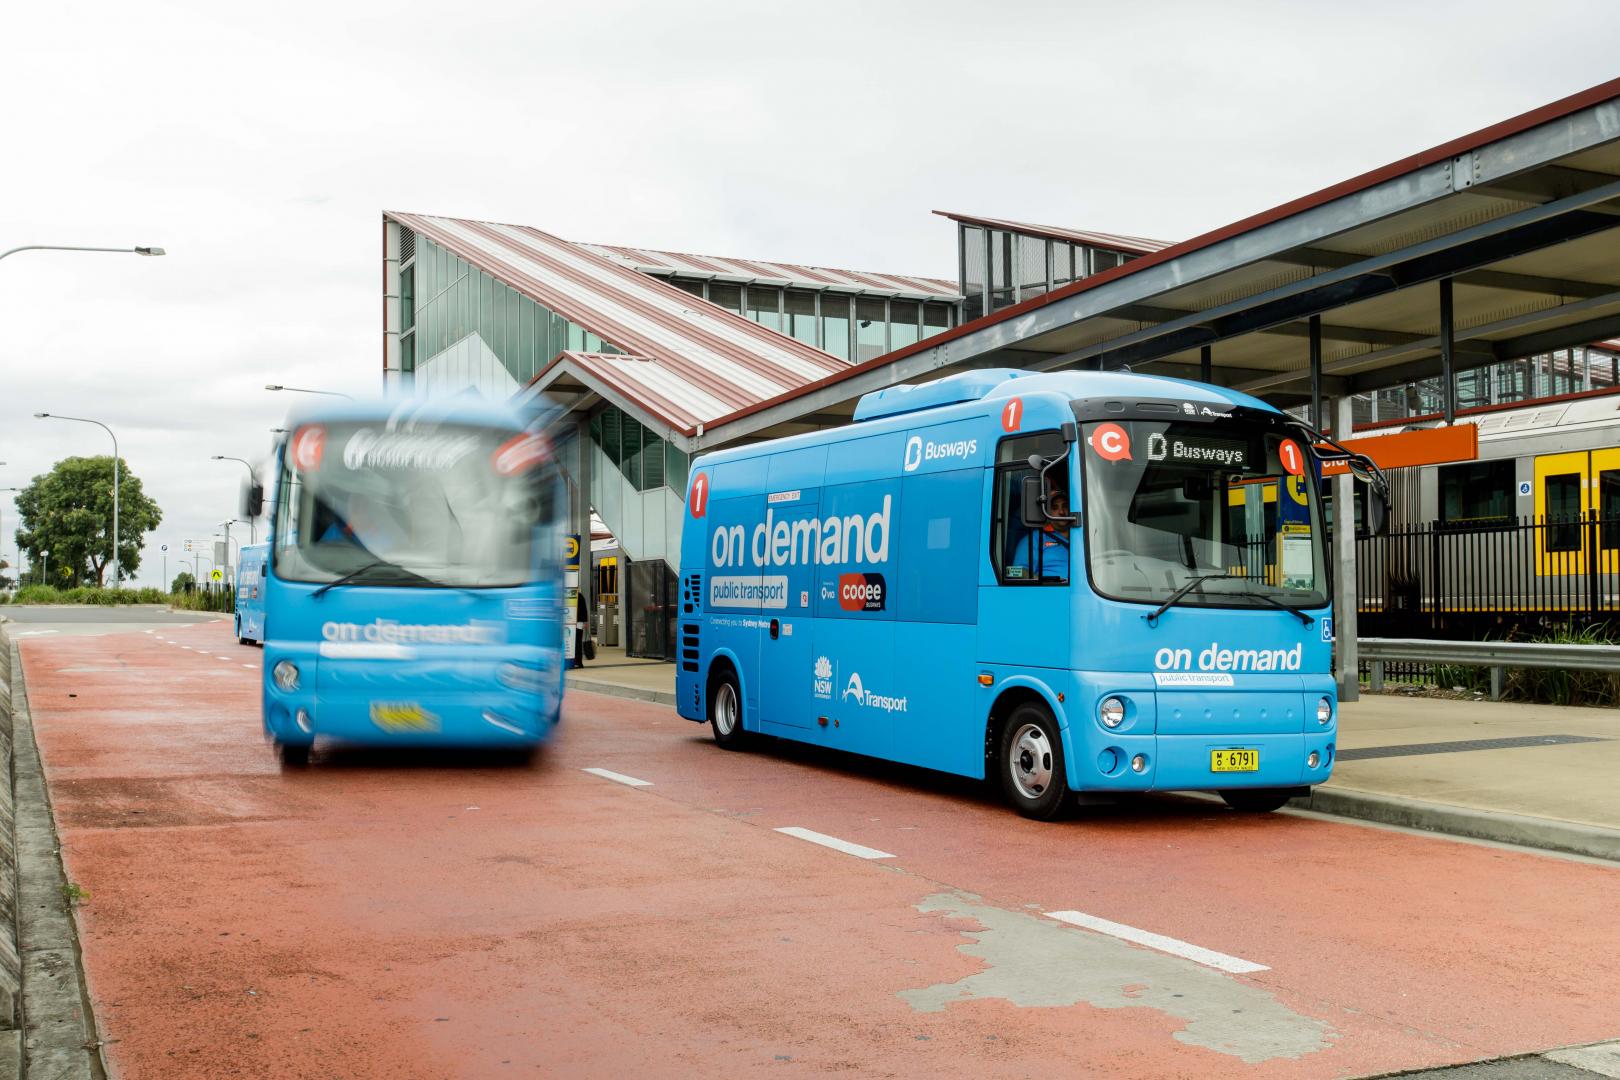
[(1256, 800), (725, 713), (1032, 774), (293, 755)]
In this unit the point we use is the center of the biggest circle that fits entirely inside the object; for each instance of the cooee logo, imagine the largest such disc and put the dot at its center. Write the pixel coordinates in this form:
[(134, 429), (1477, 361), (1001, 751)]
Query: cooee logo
[(1012, 415), (699, 499), (861, 592), (307, 447)]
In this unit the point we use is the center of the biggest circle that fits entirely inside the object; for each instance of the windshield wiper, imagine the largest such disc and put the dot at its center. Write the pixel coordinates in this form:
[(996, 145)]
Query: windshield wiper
[(1193, 583), (1279, 605), (349, 578), (1189, 586)]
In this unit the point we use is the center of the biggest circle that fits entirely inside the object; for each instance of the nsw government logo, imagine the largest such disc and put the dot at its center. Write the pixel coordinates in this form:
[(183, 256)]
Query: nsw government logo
[(823, 681)]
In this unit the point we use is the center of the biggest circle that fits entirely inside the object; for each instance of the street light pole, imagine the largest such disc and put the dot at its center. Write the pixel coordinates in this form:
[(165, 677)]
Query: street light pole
[(305, 390), (253, 530), (69, 247), (109, 431)]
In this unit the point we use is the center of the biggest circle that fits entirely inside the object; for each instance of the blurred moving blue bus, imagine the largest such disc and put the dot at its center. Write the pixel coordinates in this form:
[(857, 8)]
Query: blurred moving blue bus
[(414, 585), (1072, 582), (250, 582)]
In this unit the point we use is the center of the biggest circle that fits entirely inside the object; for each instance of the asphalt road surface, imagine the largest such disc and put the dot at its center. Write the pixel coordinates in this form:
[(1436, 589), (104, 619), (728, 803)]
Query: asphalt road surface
[(640, 903)]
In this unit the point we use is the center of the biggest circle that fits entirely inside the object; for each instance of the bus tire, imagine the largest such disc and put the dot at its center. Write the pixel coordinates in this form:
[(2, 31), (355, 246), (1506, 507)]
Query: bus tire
[(293, 755), (1031, 763), (725, 712), (1256, 800)]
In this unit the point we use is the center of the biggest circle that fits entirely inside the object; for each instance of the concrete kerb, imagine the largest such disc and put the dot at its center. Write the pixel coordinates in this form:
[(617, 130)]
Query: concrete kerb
[(1546, 833), (57, 1033), (632, 693)]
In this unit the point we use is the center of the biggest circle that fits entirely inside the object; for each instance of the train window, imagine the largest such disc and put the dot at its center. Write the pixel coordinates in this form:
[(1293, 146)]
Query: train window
[(1563, 506), (1609, 508), (1477, 493)]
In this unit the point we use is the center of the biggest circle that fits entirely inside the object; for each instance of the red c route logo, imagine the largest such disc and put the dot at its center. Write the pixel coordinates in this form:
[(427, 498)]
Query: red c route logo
[(698, 501), (1110, 442), (1012, 415)]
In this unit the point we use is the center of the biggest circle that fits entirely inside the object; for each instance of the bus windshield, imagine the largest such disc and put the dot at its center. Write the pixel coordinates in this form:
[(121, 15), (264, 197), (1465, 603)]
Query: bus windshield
[(423, 504), (1230, 502)]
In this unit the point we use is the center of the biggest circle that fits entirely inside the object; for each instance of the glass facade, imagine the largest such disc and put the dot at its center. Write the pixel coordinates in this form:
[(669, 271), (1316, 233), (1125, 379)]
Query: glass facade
[(1001, 267), (823, 318), (444, 300), (1564, 371)]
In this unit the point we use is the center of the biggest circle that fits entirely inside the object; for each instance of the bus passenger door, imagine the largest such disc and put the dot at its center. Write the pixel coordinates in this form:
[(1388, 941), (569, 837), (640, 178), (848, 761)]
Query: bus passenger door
[(1025, 614), (786, 668), (1561, 484)]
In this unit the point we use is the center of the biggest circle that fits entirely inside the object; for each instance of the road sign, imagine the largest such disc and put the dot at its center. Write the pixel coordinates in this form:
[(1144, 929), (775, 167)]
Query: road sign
[(163, 548), (571, 551), (1425, 446), (217, 574)]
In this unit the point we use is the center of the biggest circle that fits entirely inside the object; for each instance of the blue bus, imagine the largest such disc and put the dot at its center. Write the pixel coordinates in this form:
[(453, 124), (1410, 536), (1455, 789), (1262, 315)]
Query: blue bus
[(250, 575), (1075, 582), (414, 584)]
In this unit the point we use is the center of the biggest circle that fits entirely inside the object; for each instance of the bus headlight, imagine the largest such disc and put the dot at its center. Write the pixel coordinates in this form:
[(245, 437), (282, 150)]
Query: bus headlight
[(285, 674), (1111, 712), (1324, 711)]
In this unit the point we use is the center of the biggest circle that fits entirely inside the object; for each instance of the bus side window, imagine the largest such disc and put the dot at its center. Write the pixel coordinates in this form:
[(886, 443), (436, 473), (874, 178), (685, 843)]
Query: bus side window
[(1021, 554)]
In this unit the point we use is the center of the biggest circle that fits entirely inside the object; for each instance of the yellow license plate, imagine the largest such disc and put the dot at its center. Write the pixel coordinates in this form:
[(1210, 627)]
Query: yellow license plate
[(1234, 761), (402, 716)]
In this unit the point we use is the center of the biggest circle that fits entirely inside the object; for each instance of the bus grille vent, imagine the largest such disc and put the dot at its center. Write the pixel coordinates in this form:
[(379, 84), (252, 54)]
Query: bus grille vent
[(691, 590), (689, 647)]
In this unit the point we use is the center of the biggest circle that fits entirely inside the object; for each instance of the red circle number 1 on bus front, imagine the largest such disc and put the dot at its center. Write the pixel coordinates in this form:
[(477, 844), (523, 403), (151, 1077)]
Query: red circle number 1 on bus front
[(1012, 414), (1292, 457), (699, 501)]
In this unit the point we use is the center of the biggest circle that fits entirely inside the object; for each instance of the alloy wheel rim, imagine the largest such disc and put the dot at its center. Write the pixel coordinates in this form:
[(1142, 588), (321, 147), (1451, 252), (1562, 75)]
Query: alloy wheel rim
[(725, 710), (1030, 763)]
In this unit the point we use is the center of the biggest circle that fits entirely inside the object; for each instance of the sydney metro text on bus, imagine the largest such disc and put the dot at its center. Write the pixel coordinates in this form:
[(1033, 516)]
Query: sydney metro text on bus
[(1076, 582), (414, 584)]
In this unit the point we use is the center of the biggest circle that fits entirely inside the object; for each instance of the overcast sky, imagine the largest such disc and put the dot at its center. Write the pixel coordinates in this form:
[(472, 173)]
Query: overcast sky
[(260, 144)]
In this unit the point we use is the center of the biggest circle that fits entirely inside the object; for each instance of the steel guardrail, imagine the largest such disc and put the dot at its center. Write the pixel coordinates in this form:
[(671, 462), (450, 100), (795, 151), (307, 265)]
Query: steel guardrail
[(1496, 655)]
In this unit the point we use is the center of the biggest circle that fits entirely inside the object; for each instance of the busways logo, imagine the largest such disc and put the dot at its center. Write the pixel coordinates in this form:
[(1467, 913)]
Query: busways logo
[(856, 691), (1218, 658), (919, 450)]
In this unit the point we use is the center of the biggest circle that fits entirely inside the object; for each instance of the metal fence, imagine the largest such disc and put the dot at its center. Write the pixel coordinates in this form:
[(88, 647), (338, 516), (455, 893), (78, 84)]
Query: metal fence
[(1509, 577)]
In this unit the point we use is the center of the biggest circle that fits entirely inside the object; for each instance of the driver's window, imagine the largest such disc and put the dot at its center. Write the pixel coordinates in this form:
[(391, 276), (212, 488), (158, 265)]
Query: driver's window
[(1024, 554)]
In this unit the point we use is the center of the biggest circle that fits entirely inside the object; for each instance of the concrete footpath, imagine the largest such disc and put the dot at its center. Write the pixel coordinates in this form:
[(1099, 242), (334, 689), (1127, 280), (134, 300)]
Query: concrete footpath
[(1543, 776)]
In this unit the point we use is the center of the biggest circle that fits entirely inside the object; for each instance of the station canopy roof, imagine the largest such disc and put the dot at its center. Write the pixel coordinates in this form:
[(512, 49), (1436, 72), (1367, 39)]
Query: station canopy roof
[(1523, 217), (1131, 245), (791, 275)]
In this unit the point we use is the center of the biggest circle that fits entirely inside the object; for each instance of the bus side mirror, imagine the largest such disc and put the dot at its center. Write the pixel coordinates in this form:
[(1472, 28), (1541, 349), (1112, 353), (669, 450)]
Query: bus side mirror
[(1377, 512), (1030, 510), (252, 500)]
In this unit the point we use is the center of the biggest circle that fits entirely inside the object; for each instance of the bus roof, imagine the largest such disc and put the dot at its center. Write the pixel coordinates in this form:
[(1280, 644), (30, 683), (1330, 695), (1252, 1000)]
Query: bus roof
[(909, 403), (461, 408)]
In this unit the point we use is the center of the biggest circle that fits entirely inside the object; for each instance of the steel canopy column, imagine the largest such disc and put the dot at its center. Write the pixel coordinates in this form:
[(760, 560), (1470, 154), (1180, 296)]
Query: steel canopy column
[(1206, 364), (1344, 565), (1316, 372), (1448, 374)]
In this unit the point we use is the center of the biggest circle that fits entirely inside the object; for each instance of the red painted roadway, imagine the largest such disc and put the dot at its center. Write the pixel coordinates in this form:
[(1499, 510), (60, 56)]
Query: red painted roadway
[(408, 916)]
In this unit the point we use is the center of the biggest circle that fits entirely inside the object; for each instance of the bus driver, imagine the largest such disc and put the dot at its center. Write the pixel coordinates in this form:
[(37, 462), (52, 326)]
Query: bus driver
[(1051, 543)]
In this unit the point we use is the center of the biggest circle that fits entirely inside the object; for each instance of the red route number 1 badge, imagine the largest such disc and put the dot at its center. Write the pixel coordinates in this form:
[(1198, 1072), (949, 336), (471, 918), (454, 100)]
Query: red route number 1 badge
[(1292, 457), (1012, 415)]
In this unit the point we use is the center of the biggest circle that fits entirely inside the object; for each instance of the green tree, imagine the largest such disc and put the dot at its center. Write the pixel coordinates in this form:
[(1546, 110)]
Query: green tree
[(182, 581), (68, 512)]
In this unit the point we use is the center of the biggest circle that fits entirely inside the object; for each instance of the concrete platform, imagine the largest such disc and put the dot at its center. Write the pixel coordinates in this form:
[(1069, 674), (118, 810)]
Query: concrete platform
[(1539, 775)]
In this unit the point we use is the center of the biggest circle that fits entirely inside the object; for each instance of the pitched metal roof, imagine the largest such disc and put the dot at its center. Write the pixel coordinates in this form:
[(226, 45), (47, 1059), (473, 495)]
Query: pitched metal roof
[(1131, 245), (686, 361), (750, 271)]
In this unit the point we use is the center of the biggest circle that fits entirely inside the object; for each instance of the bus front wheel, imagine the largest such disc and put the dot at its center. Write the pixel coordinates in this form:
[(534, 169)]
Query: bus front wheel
[(293, 755), (1032, 774), (725, 712), (1256, 800)]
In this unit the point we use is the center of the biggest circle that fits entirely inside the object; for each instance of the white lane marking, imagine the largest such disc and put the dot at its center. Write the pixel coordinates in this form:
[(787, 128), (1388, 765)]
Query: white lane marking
[(148, 631), (857, 850), (619, 778), (32, 633), (224, 658), (250, 665), (1196, 953)]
